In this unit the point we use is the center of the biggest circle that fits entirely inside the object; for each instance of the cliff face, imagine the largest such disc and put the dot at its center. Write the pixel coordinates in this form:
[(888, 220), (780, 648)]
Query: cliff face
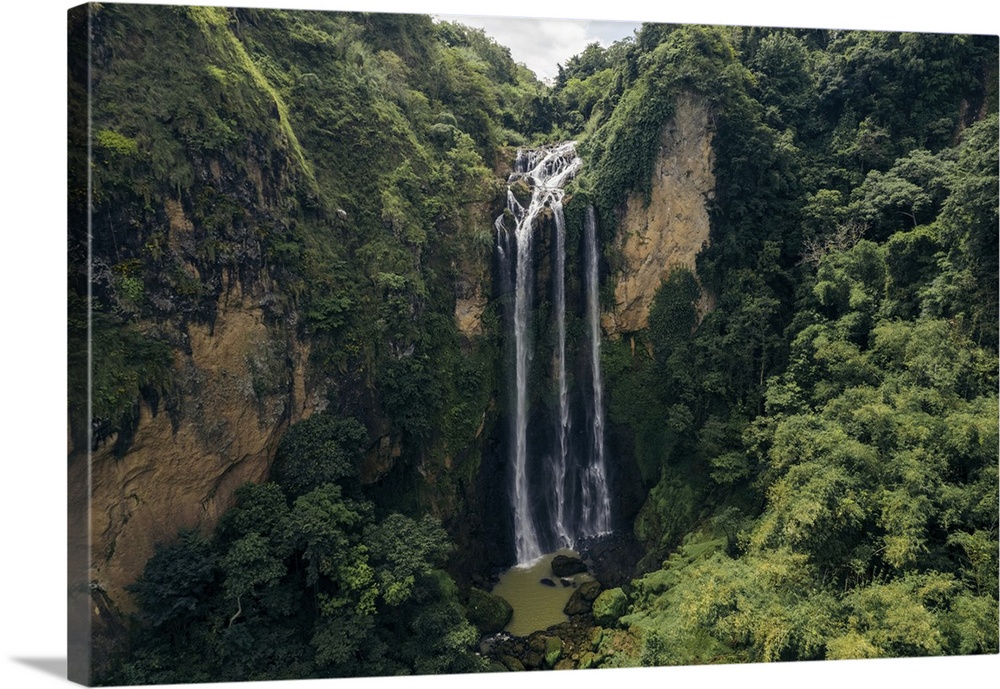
[(187, 267), (672, 228), (182, 467), (249, 269)]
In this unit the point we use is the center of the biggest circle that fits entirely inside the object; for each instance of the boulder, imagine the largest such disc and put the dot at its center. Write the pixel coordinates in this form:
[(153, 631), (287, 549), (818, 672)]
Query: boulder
[(609, 606), (566, 566), (548, 582), (577, 604), (512, 663), (553, 650), (533, 660), (590, 590), (488, 612), (537, 643)]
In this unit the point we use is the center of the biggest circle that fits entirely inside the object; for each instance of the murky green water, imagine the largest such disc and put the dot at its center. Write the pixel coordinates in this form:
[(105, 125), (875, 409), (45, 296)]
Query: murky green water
[(536, 606)]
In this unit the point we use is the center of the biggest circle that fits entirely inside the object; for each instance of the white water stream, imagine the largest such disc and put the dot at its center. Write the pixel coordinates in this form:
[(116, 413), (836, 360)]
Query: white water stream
[(574, 502)]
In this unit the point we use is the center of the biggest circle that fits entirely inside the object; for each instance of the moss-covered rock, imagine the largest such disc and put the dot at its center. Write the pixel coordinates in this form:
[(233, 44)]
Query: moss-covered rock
[(488, 612), (553, 650), (609, 606), (512, 663)]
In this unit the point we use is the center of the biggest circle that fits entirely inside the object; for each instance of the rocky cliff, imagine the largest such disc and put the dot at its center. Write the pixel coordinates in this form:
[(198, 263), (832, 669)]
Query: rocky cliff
[(671, 227), (182, 468), (247, 269)]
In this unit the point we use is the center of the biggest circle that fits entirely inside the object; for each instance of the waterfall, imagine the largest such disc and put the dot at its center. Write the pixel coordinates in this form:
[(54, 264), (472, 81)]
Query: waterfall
[(560, 463), (560, 497), (596, 500)]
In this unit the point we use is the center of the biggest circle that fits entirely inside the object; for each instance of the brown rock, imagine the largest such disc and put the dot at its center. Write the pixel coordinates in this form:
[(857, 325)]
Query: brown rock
[(673, 227), (566, 566), (533, 660), (577, 604), (590, 590), (184, 476)]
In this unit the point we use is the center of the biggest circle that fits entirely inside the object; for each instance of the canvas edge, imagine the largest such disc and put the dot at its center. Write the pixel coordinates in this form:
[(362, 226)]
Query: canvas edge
[(79, 622)]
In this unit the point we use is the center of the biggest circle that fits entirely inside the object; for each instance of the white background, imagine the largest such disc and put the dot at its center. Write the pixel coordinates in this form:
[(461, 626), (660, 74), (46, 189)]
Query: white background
[(32, 332)]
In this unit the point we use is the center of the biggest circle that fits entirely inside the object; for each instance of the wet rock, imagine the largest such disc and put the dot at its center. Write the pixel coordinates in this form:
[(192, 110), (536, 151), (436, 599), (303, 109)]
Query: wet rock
[(566, 566), (565, 582), (512, 663), (589, 590), (613, 559), (577, 604), (548, 582), (533, 660), (488, 612), (521, 191)]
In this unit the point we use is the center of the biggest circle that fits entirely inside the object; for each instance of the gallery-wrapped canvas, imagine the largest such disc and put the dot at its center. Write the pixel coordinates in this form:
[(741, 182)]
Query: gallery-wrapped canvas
[(390, 355)]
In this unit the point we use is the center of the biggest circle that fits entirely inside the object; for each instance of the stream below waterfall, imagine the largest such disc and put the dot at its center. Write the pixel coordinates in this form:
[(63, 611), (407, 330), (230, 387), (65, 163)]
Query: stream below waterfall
[(536, 605)]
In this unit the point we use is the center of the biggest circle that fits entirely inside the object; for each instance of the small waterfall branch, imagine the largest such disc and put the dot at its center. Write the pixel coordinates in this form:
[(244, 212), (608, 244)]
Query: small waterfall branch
[(596, 499)]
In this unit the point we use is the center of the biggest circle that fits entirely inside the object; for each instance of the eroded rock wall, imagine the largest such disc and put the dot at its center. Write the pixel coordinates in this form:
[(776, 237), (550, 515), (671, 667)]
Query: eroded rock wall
[(673, 227), (183, 466)]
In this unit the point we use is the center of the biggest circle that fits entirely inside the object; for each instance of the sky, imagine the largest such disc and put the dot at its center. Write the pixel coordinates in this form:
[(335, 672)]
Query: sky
[(542, 44)]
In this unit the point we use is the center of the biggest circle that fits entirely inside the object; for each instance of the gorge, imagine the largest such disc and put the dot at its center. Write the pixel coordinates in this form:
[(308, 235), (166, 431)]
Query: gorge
[(376, 318)]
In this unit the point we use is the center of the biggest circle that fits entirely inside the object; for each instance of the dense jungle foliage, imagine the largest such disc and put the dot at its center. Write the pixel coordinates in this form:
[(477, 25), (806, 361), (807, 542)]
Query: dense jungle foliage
[(304, 577), (822, 446), (818, 452)]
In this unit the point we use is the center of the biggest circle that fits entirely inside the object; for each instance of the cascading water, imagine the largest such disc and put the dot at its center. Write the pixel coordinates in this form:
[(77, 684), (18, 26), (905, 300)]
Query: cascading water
[(557, 497), (560, 461), (596, 499)]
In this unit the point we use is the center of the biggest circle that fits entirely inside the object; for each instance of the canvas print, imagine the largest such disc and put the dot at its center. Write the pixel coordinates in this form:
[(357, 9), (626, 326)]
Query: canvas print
[(392, 354)]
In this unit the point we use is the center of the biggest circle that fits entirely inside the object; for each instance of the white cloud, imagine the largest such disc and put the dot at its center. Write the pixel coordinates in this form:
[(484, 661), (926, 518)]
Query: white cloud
[(541, 44)]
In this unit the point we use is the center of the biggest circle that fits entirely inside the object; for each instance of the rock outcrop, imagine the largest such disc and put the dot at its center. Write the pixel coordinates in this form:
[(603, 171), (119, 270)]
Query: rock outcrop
[(183, 466), (671, 229), (488, 612), (566, 566), (609, 606)]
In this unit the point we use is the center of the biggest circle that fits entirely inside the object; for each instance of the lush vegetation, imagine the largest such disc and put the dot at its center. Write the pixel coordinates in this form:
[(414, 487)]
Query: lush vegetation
[(304, 577), (344, 162), (822, 446), (818, 453), (338, 170)]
